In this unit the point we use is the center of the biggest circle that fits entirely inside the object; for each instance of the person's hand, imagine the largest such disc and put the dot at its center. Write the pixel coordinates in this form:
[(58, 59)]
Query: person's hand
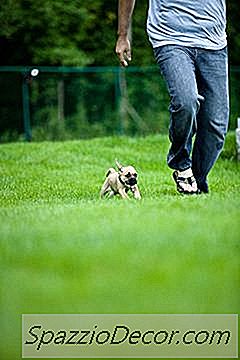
[(123, 50)]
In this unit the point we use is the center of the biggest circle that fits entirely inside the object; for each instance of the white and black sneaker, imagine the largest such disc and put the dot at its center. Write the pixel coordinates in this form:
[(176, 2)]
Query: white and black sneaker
[(186, 182)]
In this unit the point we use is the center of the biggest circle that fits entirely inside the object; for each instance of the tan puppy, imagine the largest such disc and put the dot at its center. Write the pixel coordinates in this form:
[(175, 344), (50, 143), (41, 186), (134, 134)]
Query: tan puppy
[(120, 182)]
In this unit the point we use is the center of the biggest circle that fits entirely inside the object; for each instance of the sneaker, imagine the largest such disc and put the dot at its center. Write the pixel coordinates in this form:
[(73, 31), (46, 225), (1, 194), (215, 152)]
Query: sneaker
[(185, 181)]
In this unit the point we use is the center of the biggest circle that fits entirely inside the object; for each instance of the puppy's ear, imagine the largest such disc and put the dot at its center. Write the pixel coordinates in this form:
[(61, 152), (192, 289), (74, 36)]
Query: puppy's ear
[(119, 166)]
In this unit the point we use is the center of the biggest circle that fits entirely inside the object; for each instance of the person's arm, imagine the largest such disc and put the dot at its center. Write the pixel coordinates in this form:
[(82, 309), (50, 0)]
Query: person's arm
[(123, 46)]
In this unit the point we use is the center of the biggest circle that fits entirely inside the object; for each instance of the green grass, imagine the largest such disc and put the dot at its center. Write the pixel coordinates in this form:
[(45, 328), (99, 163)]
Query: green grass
[(63, 250)]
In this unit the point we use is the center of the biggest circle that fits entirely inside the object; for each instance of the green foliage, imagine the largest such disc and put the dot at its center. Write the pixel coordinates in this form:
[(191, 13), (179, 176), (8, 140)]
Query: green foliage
[(80, 33), (50, 33), (66, 251), (10, 17)]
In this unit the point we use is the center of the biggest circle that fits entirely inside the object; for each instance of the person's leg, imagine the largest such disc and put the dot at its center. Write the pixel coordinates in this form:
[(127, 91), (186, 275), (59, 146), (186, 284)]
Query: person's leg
[(212, 118), (177, 67)]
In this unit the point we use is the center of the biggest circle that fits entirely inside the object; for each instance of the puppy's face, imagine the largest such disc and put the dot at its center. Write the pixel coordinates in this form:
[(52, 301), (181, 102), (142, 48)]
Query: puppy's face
[(129, 175)]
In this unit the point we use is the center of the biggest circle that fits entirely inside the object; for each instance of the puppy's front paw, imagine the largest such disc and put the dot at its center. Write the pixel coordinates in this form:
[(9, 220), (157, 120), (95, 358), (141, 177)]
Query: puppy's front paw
[(136, 193)]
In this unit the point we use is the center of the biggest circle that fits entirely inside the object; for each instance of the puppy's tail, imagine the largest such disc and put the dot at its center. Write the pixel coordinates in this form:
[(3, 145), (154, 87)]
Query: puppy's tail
[(110, 171)]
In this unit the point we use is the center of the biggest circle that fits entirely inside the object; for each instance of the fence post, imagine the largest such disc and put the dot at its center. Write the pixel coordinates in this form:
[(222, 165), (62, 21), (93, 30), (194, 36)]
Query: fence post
[(60, 91), (26, 111), (118, 101)]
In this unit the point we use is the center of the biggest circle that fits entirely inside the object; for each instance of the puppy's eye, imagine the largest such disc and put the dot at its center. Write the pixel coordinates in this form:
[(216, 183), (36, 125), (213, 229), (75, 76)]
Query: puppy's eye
[(135, 175), (128, 175)]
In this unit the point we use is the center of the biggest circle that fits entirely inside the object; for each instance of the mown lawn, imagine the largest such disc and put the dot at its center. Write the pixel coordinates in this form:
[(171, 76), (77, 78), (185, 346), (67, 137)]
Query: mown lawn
[(63, 250)]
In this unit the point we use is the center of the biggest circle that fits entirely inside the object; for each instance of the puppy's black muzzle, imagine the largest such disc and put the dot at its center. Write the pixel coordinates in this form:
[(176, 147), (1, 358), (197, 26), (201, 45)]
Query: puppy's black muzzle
[(132, 181)]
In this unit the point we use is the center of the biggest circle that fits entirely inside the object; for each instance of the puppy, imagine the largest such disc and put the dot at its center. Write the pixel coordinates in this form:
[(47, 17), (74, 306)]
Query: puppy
[(120, 182)]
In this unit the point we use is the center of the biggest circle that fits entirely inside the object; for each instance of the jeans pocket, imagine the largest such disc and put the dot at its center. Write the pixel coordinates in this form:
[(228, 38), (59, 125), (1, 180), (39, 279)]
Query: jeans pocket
[(165, 52), (161, 52)]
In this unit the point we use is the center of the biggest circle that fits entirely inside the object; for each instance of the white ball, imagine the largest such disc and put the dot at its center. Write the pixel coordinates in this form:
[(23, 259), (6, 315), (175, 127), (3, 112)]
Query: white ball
[(34, 72)]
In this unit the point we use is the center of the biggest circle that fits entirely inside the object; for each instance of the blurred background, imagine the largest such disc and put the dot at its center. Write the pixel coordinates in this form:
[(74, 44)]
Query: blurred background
[(80, 92)]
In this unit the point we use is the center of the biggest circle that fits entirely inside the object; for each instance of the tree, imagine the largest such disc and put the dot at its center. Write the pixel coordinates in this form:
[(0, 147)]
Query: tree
[(45, 33)]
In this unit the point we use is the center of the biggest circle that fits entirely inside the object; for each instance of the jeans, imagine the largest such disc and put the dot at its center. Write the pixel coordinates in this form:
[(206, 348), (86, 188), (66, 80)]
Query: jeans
[(197, 81)]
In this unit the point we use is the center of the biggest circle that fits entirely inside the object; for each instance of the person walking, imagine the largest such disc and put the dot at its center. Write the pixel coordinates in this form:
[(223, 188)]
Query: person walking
[(190, 46)]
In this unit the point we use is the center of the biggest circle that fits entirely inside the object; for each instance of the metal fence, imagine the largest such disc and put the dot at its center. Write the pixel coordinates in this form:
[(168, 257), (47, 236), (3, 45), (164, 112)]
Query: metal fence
[(69, 103)]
